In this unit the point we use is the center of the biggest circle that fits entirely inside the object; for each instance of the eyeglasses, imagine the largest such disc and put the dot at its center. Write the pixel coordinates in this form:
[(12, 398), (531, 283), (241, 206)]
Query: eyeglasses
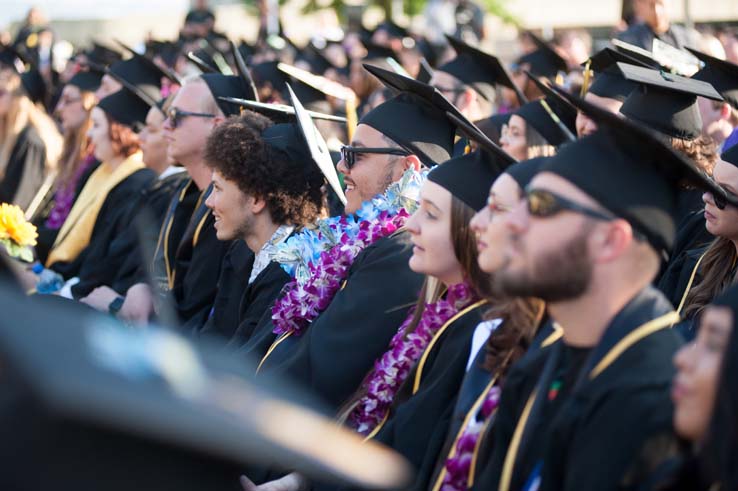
[(175, 115), (721, 201), (545, 204), (348, 154), (450, 90)]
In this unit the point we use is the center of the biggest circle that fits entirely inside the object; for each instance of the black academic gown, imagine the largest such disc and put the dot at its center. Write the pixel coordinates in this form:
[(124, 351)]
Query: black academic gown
[(592, 438), (339, 347), (24, 172), (114, 261), (177, 217), (256, 303), (419, 417), (235, 270), (100, 258), (47, 236), (197, 266)]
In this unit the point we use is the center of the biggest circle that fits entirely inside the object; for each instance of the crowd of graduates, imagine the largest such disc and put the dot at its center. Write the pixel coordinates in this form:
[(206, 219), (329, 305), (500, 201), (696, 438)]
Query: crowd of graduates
[(516, 276)]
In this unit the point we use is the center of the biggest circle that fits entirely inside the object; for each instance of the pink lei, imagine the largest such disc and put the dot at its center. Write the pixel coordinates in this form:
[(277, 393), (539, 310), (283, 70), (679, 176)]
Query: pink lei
[(459, 465), (394, 366)]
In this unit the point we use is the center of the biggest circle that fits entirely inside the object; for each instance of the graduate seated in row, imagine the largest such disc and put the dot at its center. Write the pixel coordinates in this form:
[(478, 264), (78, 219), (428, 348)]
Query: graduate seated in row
[(76, 163), (102, 211), (266, 187), (30, 144)]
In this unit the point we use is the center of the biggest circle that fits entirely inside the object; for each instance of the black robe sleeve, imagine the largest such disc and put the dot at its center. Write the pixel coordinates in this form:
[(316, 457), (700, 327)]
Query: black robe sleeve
[(145, 227), (197, 267), (97, 262), (340, 346), (24, 172), (418, 423), (46, 235), (257, 301), (235, 269)]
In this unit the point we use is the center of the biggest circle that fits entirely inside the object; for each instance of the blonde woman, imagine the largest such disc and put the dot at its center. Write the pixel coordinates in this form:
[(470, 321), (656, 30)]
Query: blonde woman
[(54, 201), (30, 144)]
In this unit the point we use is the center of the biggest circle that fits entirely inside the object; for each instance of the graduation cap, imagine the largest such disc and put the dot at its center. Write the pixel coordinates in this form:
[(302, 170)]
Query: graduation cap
[(731, 155), (544, 61), (34, 85), (80, 400), (145, 60), (425, 71), (243, 71), (468, 177), (559, 110), (316, 145), (203, 61), (88, 79), (280, 113), (523, 172), (268, 72), (102, 55), (376, 52), (127, 106), (666, 102), (143, 74), (640, 54), (721, 74), (479, 70), (609, 81), (631, 172), (416, 118)]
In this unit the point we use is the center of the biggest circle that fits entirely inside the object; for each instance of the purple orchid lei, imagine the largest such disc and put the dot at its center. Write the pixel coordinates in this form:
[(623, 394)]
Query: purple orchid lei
[(394, 366), (459, 465), (319, 259)]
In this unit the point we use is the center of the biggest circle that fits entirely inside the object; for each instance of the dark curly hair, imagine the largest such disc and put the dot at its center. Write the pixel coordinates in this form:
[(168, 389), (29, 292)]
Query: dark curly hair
[(292, 190)]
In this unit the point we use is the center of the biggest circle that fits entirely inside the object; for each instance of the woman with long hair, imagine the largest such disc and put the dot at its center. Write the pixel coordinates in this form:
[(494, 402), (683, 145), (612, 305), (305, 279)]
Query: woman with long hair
[(103, 207), (30, 144), (700, 275), (52, 203), (702, 453)]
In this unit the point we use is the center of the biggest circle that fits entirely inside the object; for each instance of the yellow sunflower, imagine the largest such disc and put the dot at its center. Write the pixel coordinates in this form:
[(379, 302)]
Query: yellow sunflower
[(14, 227)]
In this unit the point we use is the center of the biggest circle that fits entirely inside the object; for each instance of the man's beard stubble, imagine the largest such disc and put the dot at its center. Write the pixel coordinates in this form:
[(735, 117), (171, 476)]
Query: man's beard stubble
[(560, 275)]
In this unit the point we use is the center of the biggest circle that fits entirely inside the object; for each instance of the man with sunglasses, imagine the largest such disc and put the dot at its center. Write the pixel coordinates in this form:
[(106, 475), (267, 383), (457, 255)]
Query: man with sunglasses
[(188, 255), (577, 414), (332, 356)]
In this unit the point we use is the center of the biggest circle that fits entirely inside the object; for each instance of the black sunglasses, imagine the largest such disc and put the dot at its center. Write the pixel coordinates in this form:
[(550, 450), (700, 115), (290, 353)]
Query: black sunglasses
[(348, 154), (544, 204), (176, 115), (721, 201)]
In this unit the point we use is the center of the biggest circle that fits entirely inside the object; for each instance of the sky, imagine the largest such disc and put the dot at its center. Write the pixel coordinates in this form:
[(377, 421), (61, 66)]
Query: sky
[(14, 10)]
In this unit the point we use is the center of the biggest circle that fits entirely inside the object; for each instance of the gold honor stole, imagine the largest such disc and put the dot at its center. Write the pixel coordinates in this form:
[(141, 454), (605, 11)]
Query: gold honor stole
[(76, 231), (641, 332)]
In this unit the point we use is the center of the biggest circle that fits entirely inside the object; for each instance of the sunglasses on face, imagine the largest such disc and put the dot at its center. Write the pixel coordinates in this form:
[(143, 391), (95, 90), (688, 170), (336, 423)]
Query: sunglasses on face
[(721, 202), (175, 116), (348, 154), (545, 204)]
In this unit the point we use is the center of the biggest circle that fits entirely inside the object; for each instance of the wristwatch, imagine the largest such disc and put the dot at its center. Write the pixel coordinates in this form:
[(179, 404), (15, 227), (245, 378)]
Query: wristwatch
[(116, 305)]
